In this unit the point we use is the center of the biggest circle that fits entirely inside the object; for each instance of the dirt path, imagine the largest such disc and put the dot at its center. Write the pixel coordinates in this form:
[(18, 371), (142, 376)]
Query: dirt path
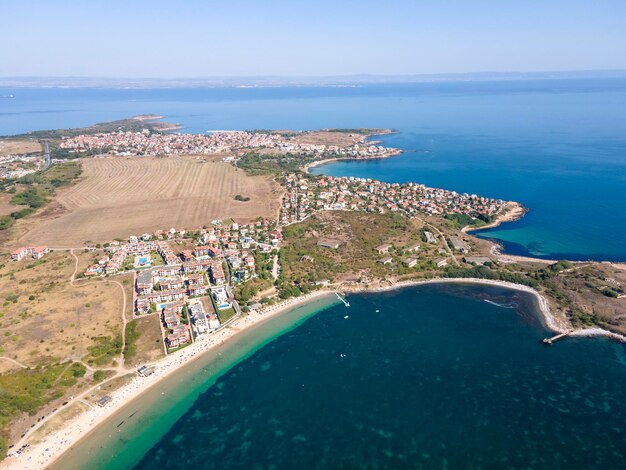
[(124, 321), (120, 370), (440, 233), (275, 267), (14, 362)]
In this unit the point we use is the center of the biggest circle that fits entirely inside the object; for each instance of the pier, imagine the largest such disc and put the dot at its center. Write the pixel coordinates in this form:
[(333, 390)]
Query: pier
[(345, 302), (555, 338)]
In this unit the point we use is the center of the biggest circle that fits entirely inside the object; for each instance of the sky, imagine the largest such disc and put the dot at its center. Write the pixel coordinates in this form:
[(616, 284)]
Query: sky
[(192, 38)]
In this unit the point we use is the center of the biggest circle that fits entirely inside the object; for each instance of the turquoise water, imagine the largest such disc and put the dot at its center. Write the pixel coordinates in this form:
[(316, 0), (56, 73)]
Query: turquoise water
[(121, 441), (426, 377), (557, 146), (572, 190)]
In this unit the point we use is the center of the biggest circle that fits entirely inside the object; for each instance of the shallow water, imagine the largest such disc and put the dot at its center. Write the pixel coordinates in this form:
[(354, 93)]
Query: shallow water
[(436, 378), (123, 439)]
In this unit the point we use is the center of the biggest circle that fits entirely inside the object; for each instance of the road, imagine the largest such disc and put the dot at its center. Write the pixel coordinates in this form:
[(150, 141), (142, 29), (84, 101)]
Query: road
[(47, 154), (73, 281), (118, 370)]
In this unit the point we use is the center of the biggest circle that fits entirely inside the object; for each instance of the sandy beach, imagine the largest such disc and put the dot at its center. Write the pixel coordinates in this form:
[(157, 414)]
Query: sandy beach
[(391, 153), (513, 211), (44, 454)]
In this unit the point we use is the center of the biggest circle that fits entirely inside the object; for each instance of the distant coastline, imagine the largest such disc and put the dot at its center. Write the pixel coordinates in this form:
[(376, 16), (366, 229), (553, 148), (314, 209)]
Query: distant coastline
[(299, 81)]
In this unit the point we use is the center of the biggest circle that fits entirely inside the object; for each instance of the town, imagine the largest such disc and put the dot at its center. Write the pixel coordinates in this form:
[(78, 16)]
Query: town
[(16, 166), (306, 195), (190, 278), (191, 291), (148, 143)]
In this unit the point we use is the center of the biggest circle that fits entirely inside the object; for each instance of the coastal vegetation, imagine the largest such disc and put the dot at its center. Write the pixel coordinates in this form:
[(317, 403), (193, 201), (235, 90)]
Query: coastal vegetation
[(306, 264), (35, 190), (483, 272), (225, 314), (131, 337), (104, 350), (459, 221), (585, 294), (245, 292), (256, 163), (26, 391)]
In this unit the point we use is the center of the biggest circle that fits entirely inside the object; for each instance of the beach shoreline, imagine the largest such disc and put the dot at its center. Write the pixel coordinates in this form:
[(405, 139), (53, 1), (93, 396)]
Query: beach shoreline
[(550, 321), (391, 153), (514, 211), (56, 445)]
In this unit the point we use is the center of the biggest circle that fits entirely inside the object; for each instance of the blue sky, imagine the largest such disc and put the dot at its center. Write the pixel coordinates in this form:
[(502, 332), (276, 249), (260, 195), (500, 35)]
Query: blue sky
[(271, 37)]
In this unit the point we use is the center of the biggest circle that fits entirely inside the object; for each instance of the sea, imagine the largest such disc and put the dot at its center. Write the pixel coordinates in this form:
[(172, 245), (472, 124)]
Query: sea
[(433, 376), (556, 146), (445, 376)]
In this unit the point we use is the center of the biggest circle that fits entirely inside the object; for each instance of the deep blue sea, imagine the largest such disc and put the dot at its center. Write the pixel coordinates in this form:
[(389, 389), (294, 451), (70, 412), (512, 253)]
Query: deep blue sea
[(557, 146), (427, 377)]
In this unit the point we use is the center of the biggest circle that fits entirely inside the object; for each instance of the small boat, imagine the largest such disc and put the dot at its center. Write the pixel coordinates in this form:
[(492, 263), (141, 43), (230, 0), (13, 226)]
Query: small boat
[(347, 316)]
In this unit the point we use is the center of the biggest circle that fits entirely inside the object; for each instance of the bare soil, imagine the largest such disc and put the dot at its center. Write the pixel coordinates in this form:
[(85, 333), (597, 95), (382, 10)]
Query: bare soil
[(18, 147)]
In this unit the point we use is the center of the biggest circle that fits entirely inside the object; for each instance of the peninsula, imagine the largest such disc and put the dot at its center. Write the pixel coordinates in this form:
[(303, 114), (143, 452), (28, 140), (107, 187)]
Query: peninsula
[(139, 249)]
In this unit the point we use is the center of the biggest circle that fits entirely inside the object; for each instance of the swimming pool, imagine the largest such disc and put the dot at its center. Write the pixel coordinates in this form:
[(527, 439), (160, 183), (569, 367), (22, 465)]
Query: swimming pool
[(142, 261)]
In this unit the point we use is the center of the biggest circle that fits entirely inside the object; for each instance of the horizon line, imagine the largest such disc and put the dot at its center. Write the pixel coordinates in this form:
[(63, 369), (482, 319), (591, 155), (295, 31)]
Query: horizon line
[(55, 81)]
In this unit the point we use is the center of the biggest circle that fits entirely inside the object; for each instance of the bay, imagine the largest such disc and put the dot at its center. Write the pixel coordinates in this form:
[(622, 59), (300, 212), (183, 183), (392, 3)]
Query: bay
[(425, 377)]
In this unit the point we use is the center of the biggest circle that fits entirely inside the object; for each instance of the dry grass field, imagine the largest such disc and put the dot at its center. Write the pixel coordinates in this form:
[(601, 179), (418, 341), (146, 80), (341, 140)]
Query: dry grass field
[(150, 342), (5, 206), (340, 139), (13, 147), (44, 319), (118, 196)]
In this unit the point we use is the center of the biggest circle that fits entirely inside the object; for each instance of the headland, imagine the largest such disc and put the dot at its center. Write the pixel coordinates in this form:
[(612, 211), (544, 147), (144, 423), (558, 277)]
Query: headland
[(189, 290)]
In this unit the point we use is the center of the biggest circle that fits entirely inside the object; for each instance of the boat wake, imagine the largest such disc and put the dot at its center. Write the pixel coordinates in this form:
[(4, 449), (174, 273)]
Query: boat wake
[(513, 305)]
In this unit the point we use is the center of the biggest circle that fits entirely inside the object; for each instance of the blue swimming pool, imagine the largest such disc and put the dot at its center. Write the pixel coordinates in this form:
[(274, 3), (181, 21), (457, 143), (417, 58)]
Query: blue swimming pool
[(143, 261)]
